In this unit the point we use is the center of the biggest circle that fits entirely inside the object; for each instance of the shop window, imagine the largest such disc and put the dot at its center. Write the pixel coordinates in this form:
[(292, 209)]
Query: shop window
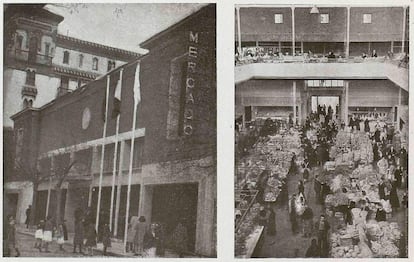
[(80, 60), (278, 18), (324, 18), (66, 57), (366, 18), (95, 64)]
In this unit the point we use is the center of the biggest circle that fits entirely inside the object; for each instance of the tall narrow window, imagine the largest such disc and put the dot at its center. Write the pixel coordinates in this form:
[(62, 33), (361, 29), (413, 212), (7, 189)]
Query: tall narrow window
[(95, 64), (19, 42), (47, 49), (30, 77), (66, 57), (80, 60), (111, 65)]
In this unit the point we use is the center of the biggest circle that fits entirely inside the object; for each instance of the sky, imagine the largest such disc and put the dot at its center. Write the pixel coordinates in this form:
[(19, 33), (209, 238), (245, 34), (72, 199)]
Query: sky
[(122, 26)]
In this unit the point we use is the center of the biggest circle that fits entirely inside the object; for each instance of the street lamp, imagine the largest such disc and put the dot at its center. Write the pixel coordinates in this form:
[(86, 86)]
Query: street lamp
[(314, 10)]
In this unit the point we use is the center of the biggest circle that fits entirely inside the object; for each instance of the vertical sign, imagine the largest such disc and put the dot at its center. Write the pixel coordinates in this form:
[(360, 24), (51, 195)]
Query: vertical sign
[(190, 83)]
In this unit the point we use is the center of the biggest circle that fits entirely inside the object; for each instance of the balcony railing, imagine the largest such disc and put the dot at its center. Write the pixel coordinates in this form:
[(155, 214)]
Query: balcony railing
[(401, 60), (25, 56)]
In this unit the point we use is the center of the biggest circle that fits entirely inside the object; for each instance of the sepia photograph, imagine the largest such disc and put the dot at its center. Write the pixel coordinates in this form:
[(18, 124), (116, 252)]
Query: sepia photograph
[(321, 131), (109, 130)]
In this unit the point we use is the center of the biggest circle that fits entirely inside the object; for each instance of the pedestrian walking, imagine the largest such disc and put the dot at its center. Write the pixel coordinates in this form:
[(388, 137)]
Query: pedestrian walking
[(323, 228), (179, 239), (140, 229), (47, 233), (39, 235), (106, 238), (307, 218), (292, 214), (91, 236), (28, 213), (60, 238), (394, 200), (159, 231), (131, 235), (12, 239), (79, 235)]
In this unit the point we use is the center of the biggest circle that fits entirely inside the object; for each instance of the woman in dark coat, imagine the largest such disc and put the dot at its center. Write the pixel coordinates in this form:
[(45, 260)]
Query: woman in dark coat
[(159, 231), (90, 238), (79, 235), (150, 241), (395, 202), (313, 250), (398, 176), (293, 215), (366, 125), (11, 238)]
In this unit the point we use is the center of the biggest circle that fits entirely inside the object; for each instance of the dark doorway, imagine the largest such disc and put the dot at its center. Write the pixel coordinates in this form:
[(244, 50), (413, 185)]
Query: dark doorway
[(106, 206), (173, 203), (41, 204)]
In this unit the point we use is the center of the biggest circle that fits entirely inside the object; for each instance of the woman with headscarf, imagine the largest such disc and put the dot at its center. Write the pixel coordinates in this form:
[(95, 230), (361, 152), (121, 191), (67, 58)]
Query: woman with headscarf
[(131, 234)]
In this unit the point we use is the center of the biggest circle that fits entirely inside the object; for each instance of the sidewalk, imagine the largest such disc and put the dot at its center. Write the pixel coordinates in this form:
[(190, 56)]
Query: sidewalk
[(117, 249)]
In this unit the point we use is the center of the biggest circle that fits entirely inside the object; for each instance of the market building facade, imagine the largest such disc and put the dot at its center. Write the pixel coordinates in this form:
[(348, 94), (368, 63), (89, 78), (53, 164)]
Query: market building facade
[(321, 131), (173, 151), (40, 64)]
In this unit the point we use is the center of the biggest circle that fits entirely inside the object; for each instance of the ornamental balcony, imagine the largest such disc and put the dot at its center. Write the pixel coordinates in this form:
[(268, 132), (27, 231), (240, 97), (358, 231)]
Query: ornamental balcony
[(29, 91)]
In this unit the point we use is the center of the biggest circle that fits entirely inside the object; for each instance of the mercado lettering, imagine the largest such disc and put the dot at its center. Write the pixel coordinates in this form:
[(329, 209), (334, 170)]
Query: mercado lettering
[(190, 83)]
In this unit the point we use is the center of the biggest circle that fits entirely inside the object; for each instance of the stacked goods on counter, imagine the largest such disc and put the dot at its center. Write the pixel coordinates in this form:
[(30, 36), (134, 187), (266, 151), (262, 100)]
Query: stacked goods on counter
[(351, 147), (246, 229), (272, 189), (349, 243), (384, 237)]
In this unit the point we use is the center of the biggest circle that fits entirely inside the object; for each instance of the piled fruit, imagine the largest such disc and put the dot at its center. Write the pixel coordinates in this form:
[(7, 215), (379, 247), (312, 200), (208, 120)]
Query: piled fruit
[(384, 237), (351, 147)]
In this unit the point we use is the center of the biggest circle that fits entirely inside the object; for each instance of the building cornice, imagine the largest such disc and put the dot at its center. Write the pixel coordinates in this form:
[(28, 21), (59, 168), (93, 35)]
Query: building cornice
[(95, 48), (74, 72)]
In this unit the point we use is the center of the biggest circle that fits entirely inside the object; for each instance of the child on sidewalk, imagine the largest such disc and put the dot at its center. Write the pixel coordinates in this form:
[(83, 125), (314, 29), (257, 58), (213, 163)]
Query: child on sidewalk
[(60, 237), (39, 235)]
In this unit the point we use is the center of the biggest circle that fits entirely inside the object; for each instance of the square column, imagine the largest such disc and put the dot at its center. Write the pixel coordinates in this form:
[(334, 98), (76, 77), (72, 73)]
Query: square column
[(346, 98), (294, 101)]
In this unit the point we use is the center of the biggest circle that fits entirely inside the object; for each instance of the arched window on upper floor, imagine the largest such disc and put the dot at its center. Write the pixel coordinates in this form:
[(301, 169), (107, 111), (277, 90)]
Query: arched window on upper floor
[(80, 60), (95, 64), (66, 57)]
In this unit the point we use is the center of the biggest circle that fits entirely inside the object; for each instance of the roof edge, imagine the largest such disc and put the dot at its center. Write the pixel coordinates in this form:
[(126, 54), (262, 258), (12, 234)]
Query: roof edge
[(155, 37)]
